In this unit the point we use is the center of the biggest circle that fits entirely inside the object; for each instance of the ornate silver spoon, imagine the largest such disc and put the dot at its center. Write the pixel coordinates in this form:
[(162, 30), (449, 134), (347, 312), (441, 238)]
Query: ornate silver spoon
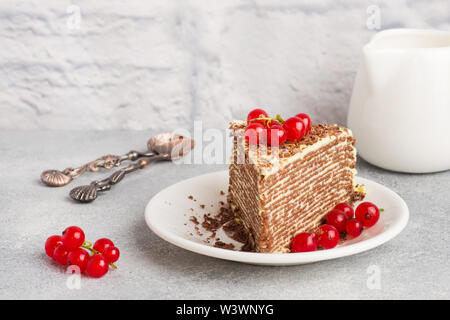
[(165, 146), (57, 178)]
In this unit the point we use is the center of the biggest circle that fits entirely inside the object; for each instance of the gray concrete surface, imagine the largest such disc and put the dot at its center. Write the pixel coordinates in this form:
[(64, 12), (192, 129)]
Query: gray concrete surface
[(413, 265)]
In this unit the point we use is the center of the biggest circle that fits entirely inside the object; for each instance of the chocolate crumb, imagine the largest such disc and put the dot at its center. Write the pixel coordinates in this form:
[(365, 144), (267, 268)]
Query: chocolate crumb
[(223, 245), (190, 197), (236, 231), (225, 219), (222, 192), (210, 224), (202, 206), (198, 231), (194, 219)]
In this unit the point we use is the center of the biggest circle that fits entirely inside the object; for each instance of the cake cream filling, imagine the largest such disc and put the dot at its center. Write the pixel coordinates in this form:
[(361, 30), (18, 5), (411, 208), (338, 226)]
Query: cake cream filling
[(299, 186), (278, 163), (259, 156)]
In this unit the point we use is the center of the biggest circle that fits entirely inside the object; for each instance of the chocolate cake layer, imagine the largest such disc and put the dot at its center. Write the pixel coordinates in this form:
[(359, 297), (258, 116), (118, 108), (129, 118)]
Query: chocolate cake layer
[(279, 196)]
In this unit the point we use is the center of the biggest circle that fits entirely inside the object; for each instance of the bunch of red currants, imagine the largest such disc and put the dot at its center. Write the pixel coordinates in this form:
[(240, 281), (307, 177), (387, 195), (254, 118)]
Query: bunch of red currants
[(69, 249), (261, 129), (341, 220)]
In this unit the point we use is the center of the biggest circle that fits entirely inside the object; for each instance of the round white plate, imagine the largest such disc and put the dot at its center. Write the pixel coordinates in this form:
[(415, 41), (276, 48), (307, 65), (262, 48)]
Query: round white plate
[(168, 213)]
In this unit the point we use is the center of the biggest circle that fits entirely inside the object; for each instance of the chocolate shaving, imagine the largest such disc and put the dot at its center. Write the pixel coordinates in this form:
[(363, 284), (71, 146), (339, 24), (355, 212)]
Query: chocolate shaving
[(236, 231), (223, 245), (225, 219), (194, 219), (210, 224), (357, 196)]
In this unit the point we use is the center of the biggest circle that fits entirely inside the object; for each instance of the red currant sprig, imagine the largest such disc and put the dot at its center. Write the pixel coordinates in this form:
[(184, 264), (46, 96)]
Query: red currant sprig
[(275, 131), (366, 215), (265, 120), (102, 249), (340, 220), (72, 249)]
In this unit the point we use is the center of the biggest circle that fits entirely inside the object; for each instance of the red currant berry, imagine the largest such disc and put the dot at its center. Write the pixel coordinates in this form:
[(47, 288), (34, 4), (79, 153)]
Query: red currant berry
[(354, 227), (337, 219), (304, 242), (367, 213), (346, 208), (256, 113), (73, 237), (255, 133), (60, 254), (111, 254), (306, 121), (78, 257), (295, 129), (97, 266), (276, 135), (51, 243), (272, 123), (101, 244), (260, 121), (328, 236)]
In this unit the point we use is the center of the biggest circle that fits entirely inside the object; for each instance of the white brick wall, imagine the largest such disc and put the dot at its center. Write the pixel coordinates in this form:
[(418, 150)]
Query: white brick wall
[(162, 64)]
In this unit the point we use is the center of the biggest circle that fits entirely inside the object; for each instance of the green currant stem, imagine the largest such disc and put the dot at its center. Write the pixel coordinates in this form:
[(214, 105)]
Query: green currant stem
[(277, 118), (88, 245)]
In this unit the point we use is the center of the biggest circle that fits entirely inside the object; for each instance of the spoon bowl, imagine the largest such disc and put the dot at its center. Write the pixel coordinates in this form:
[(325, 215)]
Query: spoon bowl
[(172, 144)]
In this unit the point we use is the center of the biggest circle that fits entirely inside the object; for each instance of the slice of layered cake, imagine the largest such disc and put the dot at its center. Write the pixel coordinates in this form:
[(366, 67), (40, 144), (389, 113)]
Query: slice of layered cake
[(279, 191)]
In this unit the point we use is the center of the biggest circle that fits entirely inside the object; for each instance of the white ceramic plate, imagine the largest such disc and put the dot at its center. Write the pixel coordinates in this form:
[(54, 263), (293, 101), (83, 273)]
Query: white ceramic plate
[(168, 212)]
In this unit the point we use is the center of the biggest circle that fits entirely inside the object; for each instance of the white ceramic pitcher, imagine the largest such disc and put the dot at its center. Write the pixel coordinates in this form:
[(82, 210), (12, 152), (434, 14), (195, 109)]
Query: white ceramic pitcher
[(400, 106)]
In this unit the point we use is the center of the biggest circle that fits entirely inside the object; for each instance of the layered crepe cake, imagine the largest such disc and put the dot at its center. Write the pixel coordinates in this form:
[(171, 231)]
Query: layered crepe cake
[(279, 192)]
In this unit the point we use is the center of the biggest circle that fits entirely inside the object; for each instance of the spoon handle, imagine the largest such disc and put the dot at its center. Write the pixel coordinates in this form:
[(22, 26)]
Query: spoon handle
[(108, 162), (89, 192), (58, 178)]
